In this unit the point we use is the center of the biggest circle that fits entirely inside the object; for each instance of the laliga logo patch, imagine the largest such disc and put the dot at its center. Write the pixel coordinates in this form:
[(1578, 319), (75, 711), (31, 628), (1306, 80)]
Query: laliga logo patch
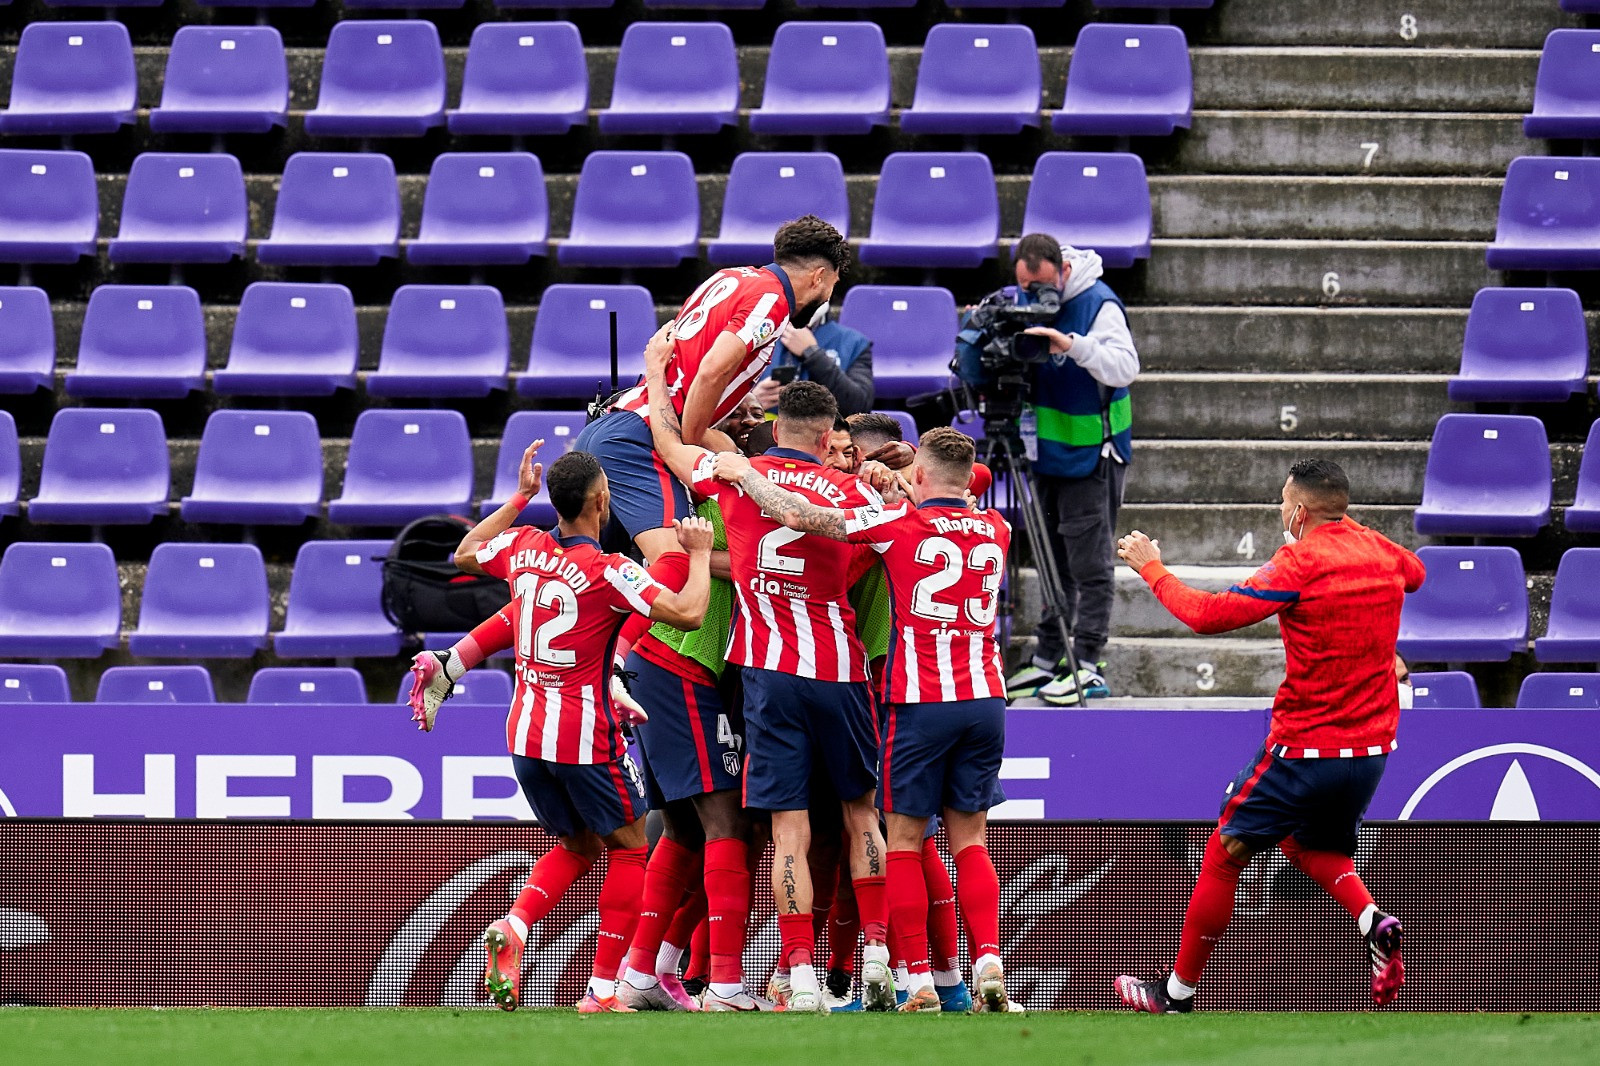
[(765, 329), (1529, 781)]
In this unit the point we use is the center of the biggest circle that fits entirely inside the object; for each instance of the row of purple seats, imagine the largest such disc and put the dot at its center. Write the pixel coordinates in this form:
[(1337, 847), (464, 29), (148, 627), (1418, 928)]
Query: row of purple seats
[(1549, 215), (1455, 689), (1474, 608), (387, 79), (738, 5), (191, 683), (1523, 346), (1566, 95), (1489, 476)]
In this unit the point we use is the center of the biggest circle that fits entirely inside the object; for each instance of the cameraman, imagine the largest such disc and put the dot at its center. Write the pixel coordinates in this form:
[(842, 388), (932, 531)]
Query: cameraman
[(1080, 403), (836, 357)]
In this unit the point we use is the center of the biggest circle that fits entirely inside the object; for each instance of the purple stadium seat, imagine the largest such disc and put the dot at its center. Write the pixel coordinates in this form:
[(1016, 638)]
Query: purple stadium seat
[(59, 601), (1566, 97), (674, 77), (825, 78), (1488, 476), (72, 77), (523, 78), (1560, 692), (255, 3), (380, 79), (181, 208), (206, 601), (257, 468), (976, 79), (1582, 6), (481, 688), (1573, 635), (335, 210), (1472, 608), (1098, 200), (27, 340), (103, 3), (1528, 345), (307, 684), (1450, 689), (1584, 514), (291, 340), (103, 467), (767, 189), (156, 684), (1549, 215), (802, 4), (356, 5), (933, 209), (224, 79), (141, 342), (483, 207), (10, 465), (1168, 4), (443, 340), (571, 350), (633, 209), (34, 683), (336, 602), (1127, 81), (49, 207), (908, 425), (560, 430), (1002, 3), (913, 329), (403, 465)]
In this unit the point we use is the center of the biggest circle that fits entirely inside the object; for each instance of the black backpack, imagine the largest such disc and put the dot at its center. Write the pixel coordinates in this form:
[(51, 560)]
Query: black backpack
[(423, 592)]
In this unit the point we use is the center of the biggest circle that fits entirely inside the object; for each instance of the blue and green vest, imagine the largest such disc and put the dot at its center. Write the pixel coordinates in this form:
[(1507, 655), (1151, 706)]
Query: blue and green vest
[(1076, 414)]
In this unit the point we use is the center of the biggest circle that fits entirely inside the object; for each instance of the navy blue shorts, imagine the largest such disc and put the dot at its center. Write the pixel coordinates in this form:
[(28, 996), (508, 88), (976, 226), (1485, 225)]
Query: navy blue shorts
[(942, 755), (1319, 802), (692, 743), (644, 494), (568, 798), (795, 723)]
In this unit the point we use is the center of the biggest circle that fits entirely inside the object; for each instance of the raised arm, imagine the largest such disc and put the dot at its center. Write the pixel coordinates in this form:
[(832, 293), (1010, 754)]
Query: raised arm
[(717, 370), (1268, 591), (665, 427), (529, 475)]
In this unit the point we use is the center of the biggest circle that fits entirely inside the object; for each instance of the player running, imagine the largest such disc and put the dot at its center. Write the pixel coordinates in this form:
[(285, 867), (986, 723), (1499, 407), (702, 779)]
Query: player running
[(943, 691), (1337, 588), (723, 339), (804, 672), (569, 601)]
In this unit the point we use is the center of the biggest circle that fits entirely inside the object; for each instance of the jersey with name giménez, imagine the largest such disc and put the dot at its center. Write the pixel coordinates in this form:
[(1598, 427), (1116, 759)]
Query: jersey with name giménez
[(945, 563), (568, 602), (747, 301), (792, 612)]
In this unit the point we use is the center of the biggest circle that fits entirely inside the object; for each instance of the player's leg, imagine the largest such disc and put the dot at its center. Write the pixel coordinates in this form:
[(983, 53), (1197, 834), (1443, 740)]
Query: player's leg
[(845, 732), (944, 927), (908, 908), (676, 858), (824, 860), (691, 915), (971, 787), (435, 673)]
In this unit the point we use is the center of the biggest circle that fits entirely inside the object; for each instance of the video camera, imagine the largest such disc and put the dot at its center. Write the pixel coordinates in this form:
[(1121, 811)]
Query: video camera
[(1006, 352)]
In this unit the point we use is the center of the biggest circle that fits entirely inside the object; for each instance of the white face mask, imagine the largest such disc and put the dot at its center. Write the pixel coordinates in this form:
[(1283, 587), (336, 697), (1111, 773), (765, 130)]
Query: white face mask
[(1405, 696), (1290, 538), (819, 317)]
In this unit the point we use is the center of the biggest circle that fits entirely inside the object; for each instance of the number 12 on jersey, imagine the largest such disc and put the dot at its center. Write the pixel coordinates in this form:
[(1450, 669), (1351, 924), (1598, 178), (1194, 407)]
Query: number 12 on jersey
[(547, 594)]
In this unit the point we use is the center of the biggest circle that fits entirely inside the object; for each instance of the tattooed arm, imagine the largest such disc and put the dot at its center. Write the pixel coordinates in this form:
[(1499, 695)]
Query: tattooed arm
[(794, 510)]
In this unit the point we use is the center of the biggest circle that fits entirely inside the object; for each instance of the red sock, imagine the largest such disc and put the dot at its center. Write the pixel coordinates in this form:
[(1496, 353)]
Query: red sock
[(1210, 909), (944, 937), (728, 902), (691, 914), (699, 967), (799, 942), (908, 909), (547, 882), (665, 879), (1334, 872), (872, 902), (493, 634), (844, 930), (978, 894), (619, 909)]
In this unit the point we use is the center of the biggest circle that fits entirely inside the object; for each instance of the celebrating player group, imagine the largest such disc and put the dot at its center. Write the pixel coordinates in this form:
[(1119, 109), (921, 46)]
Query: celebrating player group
[(807, 656)]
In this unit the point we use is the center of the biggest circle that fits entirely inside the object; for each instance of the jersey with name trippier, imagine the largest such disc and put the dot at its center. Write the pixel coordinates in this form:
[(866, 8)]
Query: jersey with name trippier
[(746, 301), (569, 600), (791, 610), (945, 563)]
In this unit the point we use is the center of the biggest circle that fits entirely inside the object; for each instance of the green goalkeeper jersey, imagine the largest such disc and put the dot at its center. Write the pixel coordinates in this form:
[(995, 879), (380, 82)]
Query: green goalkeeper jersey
[(709, 644), (870, 599)]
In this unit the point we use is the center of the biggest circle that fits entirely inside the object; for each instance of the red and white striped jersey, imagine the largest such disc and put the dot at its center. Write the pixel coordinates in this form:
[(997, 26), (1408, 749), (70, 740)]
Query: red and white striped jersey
[(751, 302), (945, 564), (568, 602), (791, 611)]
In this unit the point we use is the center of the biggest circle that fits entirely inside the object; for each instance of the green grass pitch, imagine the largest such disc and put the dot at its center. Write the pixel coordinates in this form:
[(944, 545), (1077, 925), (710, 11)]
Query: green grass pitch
[(436, 1037)]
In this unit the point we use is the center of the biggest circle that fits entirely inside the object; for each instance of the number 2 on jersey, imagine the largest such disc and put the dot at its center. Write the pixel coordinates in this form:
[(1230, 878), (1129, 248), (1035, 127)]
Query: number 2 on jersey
[(535, 644), (944, 553)]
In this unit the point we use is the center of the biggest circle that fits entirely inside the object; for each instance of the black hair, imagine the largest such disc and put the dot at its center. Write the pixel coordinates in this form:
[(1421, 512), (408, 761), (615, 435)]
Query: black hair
[(569, 480), (1035, 249), (810, 238), (874, 426), (807, 401), (1324, 480)]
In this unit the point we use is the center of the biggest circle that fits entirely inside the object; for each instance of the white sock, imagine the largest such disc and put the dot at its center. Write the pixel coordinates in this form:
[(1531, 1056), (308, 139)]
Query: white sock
[(454, 668), (902, 977), (781, 972), (1367, 918), (916, 982), (804, 979), (726, 989), (602, 988), (947, 978), (875, 953), (642, 981), (982, 961), (519, 925), (1176, 989), (668, 957)]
